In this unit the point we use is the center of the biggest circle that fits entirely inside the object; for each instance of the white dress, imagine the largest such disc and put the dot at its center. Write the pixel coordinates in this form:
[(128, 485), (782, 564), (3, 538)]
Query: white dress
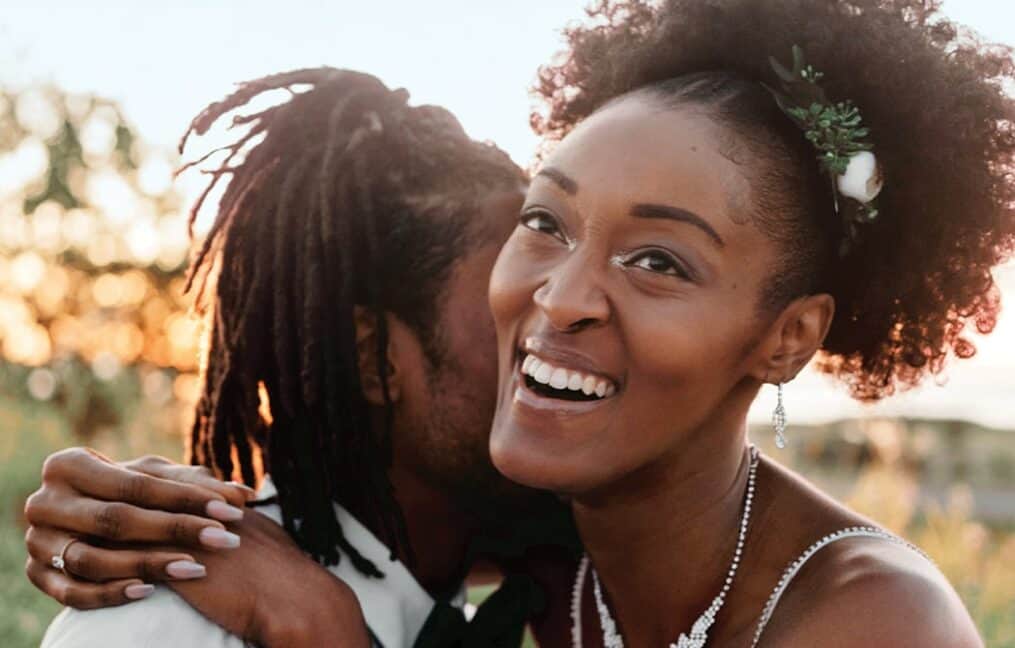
[(395, 607)]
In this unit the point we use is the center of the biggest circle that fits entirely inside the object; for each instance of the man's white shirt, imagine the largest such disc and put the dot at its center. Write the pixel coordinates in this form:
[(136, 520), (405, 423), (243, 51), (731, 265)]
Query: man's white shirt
[(395, 607)]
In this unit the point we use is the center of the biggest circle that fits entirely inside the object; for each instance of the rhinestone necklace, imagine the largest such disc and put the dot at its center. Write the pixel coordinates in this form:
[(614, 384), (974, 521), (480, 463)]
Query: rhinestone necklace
[(699, 631)]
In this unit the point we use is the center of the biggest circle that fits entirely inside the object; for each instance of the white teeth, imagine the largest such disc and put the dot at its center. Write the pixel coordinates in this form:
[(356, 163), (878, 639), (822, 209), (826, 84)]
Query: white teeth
[(542, 374), (558, 379), (575, 382), (528, 363)]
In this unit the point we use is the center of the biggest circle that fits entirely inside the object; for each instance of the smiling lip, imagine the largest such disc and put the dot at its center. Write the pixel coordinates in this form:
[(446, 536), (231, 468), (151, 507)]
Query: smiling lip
[(542, 405), (566, 359)]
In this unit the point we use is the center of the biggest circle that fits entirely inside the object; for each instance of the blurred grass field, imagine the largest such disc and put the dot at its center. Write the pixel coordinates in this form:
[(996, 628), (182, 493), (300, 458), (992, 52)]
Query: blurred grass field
[(29, 431), (27, 434), (977, 559)]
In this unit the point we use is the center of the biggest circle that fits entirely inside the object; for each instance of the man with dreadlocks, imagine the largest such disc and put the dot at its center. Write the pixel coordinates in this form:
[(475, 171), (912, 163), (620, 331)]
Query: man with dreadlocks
[(344, 283)]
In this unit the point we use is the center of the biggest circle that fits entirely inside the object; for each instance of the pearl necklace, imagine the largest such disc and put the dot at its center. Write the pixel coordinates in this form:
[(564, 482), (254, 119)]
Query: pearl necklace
[(699, 631)]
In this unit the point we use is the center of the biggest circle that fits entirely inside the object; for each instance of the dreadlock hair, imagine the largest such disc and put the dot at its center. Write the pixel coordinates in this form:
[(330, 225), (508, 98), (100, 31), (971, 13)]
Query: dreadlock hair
[(342, 196)]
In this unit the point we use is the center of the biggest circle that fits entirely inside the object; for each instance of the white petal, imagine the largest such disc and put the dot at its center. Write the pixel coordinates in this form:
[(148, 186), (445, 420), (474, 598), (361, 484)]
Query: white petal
[(862, 179)]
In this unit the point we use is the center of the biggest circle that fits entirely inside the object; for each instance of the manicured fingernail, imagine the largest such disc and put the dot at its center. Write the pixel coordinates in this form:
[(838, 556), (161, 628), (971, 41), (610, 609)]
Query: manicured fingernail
[(247, 490), (185, 569), (135, 592), (217, 538), (224, 512)]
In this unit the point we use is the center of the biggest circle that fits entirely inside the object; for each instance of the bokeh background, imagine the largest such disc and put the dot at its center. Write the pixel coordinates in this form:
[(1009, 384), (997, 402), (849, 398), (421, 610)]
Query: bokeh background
[(97, 345)]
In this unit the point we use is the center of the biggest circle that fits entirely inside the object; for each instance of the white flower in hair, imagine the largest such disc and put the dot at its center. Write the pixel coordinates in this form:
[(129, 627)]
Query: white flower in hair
[(862, 180)]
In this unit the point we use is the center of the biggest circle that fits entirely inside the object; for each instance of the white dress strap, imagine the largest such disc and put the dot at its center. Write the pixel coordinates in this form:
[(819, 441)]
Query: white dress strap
[(796, 565)]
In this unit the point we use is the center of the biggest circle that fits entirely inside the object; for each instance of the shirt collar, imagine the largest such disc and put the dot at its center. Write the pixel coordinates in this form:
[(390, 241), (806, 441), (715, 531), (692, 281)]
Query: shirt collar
[(395, 607)]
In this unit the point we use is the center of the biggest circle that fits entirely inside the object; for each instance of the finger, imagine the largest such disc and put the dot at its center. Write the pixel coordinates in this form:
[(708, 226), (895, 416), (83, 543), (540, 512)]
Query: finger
[(98, 455), (112, 482), (122, 522), (99, 565), (234, 493), (84, 596)]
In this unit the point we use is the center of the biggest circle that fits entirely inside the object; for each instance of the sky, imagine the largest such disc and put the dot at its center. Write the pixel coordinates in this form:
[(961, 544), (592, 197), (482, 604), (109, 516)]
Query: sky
[(164, 62)]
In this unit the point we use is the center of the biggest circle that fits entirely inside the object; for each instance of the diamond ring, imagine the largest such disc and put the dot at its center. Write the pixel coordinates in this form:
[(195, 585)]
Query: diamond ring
[(59, 561)]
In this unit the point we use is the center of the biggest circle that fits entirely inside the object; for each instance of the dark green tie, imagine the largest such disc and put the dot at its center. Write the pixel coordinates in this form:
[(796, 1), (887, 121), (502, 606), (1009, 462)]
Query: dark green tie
[(499, 622)]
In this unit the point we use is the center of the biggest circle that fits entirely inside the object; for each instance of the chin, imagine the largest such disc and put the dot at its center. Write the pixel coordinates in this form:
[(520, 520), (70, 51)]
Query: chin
[(525, 461)]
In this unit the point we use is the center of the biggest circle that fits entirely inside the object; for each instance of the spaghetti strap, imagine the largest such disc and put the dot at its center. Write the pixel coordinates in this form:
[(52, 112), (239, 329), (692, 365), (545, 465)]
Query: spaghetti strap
[(796, 565)]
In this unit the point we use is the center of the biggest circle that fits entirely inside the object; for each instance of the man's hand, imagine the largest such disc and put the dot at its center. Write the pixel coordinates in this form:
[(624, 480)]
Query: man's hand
[(95, 504), (270, 593)]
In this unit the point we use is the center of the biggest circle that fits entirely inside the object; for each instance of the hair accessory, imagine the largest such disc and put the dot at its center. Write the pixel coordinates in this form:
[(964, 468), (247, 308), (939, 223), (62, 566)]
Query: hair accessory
[(836, 131)]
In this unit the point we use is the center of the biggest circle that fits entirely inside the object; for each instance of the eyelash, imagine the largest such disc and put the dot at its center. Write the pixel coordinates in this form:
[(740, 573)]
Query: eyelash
[(679, 270), (534, 214)]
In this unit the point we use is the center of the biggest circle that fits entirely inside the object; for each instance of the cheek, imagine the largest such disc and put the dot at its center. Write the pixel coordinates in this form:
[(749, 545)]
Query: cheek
[(476, 351), (670, 348), (683, 359), (512, 283)]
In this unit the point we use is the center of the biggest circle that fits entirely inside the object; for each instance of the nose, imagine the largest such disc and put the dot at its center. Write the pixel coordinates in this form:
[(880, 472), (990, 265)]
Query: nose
[(572, 297)]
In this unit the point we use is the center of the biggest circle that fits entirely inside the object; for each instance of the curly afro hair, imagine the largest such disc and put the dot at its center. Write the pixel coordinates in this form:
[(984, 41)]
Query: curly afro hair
[(932, 95)]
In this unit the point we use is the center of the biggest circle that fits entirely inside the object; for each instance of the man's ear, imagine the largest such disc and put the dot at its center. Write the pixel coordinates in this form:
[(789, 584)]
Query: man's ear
[(793, 338), (367, 352)]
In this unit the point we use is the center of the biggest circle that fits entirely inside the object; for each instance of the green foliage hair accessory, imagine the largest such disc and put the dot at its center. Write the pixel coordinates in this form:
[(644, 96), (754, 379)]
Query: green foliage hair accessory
[(836, 131)]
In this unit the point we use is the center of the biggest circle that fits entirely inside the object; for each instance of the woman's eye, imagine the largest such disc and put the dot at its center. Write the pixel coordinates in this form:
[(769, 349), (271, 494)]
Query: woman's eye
[(541, 221), (660, 263)]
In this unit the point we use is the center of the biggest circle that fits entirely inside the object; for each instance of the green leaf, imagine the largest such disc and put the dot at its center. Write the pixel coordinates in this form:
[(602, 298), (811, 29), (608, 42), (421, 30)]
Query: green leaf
[(798, 60), (781, 71)]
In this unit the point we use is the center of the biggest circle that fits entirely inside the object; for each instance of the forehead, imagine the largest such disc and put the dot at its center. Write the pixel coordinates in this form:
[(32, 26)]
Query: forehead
[(637, 151), (498, 213), (496, 217)]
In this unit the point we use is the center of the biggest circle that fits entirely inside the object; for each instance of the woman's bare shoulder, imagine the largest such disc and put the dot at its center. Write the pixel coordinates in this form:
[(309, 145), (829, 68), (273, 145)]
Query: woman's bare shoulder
[(855, 591), (871, 592)]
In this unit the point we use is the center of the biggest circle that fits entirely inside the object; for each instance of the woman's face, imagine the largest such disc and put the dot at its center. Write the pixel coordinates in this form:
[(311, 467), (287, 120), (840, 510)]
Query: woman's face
[(626, 301)]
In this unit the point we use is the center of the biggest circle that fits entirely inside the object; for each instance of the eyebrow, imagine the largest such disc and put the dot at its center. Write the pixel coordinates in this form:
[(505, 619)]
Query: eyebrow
[(677, 214), (559, 178)]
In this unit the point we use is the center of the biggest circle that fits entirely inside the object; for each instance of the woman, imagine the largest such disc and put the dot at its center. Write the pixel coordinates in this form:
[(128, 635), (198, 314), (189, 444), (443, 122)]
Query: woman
[(711, 220), (700, 232)]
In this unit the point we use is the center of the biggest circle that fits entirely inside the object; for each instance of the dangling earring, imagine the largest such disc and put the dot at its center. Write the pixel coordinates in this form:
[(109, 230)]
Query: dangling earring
[(779, 422)]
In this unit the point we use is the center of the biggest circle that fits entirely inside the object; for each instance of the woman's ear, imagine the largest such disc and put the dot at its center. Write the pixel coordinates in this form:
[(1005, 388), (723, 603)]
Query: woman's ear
[(370, 356), (794, 337)]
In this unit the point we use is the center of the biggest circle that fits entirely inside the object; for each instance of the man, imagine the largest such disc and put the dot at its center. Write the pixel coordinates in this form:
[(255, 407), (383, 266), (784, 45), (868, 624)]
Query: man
[(351, 351)]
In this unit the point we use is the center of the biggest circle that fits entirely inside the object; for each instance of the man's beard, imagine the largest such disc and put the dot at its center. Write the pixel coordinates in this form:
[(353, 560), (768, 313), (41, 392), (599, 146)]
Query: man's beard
[(454, 455)]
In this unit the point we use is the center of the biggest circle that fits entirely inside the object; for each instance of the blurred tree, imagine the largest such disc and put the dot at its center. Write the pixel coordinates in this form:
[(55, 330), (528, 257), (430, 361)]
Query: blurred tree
[(93, 248)]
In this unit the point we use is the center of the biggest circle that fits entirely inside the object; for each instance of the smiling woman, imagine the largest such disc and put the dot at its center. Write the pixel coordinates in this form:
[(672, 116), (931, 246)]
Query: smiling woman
[(620, 278), (696, 234)]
